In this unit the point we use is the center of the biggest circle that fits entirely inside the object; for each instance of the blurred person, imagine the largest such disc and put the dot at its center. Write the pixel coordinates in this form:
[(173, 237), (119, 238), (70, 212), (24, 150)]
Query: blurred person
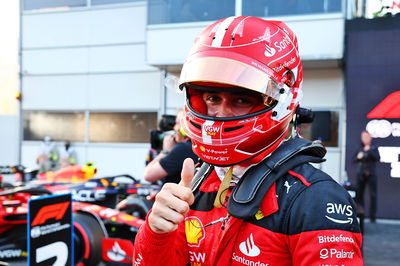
[(256, 199), (48, 158), (167, 165), (366, 158), (165, 127), (68, 155)]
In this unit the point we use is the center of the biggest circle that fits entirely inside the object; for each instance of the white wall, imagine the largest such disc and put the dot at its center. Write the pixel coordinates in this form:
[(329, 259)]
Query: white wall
[(9, 139), (324, 90), (84, 27), (320, 37), (114, 58), (119, 91), (90, 59)]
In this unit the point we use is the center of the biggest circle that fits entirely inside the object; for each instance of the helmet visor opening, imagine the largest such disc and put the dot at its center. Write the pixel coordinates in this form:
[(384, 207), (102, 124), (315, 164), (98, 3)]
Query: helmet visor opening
[(200, 98), (219, 70)]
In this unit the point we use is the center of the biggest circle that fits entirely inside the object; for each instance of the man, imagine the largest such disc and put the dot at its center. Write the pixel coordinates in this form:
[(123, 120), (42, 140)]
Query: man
[(48, 157), (68, 155), (367, 157), (167, 165), (255, 200)]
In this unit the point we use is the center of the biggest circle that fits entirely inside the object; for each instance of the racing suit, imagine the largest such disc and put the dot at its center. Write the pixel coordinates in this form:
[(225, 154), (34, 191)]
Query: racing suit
[(305, 218)]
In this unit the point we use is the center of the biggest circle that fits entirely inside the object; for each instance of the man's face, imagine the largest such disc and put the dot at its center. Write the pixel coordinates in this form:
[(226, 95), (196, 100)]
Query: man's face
[(178, 136), (366, 138), (230, 104)]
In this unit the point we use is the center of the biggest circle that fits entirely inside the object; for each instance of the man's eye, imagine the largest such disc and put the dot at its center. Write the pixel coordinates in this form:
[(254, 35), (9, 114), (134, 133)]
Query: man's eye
[(213, 98), (243, 101)]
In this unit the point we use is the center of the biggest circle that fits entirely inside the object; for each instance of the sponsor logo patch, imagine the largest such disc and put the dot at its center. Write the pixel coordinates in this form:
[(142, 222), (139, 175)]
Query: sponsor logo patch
[(249, 248), (288, 186), (326, 253), (12, 253), (334, 210), (194, 231), (335, 239), (197, 257), (269, 51)]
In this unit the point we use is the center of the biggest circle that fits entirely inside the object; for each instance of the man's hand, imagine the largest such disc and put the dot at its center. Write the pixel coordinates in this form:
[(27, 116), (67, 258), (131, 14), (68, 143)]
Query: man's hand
[(169, 142), (172, 202)]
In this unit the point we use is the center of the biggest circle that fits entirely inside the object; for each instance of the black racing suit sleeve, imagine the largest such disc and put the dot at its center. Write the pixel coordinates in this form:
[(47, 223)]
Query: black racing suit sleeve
[(323, 228)]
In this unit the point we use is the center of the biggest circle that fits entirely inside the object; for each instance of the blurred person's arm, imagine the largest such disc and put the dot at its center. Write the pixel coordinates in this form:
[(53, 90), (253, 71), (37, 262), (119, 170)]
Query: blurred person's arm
[(154, 171)]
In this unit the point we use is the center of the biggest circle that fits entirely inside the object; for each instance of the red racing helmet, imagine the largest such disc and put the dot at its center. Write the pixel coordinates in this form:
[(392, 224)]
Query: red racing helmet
[(242, 53)]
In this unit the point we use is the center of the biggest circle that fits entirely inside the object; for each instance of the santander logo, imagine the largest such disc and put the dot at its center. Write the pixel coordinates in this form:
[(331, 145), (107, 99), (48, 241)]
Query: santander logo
[(248, 247), (269, 51)]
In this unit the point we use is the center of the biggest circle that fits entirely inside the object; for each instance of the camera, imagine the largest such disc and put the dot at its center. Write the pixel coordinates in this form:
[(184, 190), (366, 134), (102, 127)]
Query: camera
[(165, 127)]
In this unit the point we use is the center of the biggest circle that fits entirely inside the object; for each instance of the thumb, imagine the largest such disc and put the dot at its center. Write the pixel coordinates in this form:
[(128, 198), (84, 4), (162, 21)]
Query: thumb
[(187, 173)]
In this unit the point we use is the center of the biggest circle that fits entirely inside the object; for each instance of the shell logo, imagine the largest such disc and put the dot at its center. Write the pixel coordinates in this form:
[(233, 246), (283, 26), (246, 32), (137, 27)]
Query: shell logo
[(202, 148), (194, 231)]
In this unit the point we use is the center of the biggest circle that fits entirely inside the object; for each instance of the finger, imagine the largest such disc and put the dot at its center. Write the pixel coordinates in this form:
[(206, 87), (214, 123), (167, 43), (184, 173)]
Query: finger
[(168, 214), (187, 173), (160, 225), (172, 192), (177, 204)]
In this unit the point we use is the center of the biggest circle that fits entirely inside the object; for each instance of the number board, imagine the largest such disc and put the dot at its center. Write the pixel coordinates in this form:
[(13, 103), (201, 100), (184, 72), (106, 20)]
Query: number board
[(50, 229)]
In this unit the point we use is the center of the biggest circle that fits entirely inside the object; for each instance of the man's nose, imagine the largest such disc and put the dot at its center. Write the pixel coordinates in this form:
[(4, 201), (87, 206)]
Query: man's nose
[(225, 110)]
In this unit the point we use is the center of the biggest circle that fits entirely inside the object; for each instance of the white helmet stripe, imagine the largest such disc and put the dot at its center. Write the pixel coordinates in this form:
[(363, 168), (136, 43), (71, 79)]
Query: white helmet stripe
[(206, 137), (220, 33)]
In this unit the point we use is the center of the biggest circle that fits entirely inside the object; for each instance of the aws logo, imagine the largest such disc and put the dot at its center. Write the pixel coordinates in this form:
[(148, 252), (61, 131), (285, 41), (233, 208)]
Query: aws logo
[(336, 209), (194, 231)]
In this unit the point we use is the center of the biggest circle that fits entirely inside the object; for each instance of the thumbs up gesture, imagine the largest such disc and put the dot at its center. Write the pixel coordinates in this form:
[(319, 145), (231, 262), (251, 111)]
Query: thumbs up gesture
[(172, 202)]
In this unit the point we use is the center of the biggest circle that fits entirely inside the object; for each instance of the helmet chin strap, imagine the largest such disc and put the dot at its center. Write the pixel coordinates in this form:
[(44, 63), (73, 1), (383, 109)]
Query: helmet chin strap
[(223, 189)]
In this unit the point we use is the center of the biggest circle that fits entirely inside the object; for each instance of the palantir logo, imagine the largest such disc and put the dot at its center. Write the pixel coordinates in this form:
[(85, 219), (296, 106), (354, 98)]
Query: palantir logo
[(249, 248), (323, 253)]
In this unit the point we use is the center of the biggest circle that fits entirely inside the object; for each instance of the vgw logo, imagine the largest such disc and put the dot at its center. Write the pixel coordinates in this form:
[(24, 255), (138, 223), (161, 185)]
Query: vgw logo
[(211, 130), (335, 209)]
